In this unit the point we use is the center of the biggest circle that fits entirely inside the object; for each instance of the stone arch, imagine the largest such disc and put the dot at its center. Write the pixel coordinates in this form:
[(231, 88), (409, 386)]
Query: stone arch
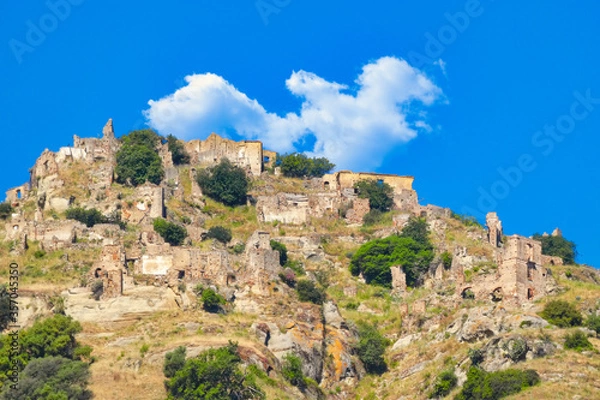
[(497, 294), (326, 185), (181, 274), (231, 279), (19, 194), (467, 293), (530, 293), (98, 273)]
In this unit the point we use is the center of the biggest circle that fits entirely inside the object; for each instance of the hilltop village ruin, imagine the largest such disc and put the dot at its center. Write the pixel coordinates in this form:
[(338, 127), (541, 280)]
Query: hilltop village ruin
[(519, 276)]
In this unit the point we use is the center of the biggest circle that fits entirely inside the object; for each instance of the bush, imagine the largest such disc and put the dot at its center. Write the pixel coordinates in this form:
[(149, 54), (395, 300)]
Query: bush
[(297, 165), (577, 341), (137, 159), (593, 323), (170, 232), (219, 233), (308, 291), (476, 356), (379, 193), (51, 378), (516, 349), (89, 217), (444, 384), (371, 347), (6, 210), (372, 217), (97, 289), (466, 220), (561, 314), (178, 153), (446, 258), (174, 361), (481, 385), (288, 277), (214, 374), (5, 308), (558, 246), (374, 259), (292, 371), (280, 247), (225, 183), (212, 301)]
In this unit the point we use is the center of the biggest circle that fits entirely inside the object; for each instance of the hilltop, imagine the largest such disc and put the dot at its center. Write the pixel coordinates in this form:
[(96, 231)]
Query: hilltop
[(136, 263)]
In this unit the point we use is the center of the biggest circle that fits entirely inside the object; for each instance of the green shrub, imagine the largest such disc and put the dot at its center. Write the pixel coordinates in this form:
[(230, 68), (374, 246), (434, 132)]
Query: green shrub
[(308, 291), (39, 253), (561, 314), (89, 217), (292, 371), (288, 277), (577, 341), (51, 378), (476, 356), (374, 259), (280, 247), (481, 385), (379, 193), (219, 233), (144, 349), (6, 210), (444, 384), (446, 258), (297, 165), (516, 349), (97, 289), (170, 232), (466, 220), (174, 361), (178, 153), (239, 248), (558, 246), (225, 183), (593, 323), (373, 217), (213, 374), (371, 348), (212, 301), (5, 308), (138, 161)]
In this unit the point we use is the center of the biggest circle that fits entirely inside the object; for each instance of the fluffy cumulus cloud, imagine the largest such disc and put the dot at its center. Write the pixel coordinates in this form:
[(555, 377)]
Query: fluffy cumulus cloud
[(354, 127)]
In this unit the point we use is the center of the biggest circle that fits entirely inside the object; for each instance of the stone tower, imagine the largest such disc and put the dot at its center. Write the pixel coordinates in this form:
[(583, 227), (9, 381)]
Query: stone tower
[(494, 226)]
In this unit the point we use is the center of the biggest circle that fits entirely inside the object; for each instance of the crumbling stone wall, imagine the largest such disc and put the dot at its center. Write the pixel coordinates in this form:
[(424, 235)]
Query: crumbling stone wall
[(494, 229), (360, 208), (287, 208), (18, 193), (398, 279), (246, 154), (262, 263)]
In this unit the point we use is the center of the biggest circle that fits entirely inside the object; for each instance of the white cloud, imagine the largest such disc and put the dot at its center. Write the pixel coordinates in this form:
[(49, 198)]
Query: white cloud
[(355, 129)]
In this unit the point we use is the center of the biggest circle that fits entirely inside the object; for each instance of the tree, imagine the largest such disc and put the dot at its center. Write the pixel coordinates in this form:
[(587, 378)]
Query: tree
[(137, 164), (374, 259), (280, 247), (578, 341), (444, 384), (298, 165), (371, 348), (211, 300), (225, 183), (5, 311), (53, 378), (292, 371), (379, 193), (417, 230), (481, 385), (308, 291), (219, 233), (174, 361), (593, 323), (561, 314), (178, 153), (89, 217), (170, 232), (558, 246), (142, 137), (6, 210), (215, 375)]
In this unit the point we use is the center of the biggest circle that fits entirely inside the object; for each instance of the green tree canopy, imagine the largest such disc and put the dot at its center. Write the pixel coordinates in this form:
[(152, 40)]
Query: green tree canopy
[(297, 165), (137, 164), (174, 361), (214, 375), (561, 314), (225, 183), (143, 137), (558, 246), (371, 348), (178, 153), (170, 232), (6, 210), (219, 233), (379, 193), (54, 378)]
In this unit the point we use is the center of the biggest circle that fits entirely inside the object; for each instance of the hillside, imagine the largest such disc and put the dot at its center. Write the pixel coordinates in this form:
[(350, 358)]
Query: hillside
[(138, 297)]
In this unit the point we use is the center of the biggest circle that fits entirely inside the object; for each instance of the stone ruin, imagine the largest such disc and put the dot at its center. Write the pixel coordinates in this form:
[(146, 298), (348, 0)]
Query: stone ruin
[(520, 276)]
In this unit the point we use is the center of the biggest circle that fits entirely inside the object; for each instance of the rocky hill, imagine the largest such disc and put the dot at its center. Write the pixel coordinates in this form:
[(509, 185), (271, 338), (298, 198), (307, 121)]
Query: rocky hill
[(139, 297)]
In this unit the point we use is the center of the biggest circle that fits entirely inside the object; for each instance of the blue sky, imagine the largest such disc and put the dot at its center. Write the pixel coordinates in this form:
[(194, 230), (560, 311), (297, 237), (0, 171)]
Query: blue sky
[(491, 105)]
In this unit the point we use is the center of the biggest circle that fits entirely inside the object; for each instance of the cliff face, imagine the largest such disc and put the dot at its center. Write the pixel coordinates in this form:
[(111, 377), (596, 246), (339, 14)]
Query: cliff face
[(489, 293)]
